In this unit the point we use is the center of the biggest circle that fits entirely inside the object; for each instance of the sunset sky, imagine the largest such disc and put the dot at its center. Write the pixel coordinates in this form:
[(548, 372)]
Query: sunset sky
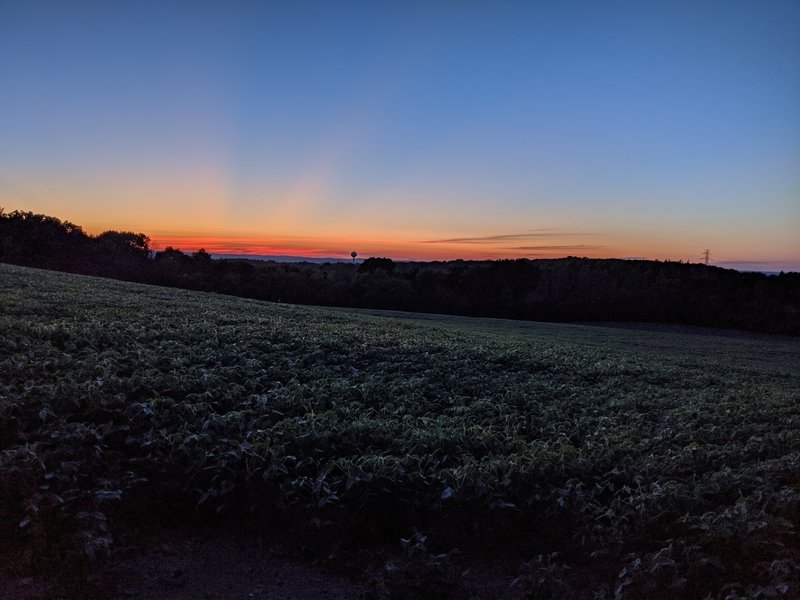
[(436, 129)]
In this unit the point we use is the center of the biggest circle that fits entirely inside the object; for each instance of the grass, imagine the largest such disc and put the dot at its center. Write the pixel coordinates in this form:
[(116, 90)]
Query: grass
[(618, 462)]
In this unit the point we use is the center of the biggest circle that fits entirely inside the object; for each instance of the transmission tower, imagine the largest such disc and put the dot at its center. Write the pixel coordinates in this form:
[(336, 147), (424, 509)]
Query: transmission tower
[(706, 255)]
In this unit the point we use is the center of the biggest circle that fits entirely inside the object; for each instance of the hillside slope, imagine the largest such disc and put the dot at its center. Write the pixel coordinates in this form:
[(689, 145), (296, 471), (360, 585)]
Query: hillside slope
[(593, 459), (557, 290)]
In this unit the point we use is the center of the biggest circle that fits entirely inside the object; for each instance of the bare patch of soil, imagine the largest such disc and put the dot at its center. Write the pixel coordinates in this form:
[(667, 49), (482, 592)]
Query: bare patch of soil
[(22, 588), (213, 566)]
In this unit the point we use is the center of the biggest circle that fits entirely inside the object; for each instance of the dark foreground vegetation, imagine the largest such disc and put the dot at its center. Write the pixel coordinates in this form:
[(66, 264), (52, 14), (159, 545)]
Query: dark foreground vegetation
[(564, 290), (596, 462)]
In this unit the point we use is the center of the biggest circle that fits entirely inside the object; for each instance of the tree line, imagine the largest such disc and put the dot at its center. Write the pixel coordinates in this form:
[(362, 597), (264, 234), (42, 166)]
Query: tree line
[(569, 289)]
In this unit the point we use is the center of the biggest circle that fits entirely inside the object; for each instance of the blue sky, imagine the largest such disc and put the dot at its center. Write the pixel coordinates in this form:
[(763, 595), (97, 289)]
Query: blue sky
[(620, 128)]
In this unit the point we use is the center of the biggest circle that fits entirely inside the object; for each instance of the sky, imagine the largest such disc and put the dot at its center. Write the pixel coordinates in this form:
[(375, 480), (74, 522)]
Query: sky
[(414, 130)]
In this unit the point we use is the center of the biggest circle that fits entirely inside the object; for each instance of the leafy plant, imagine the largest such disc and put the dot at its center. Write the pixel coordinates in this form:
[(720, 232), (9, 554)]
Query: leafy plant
[(643, 461)]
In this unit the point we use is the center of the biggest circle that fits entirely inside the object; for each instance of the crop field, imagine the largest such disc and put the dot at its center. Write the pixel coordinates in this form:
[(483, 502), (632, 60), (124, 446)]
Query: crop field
[(600, 462)]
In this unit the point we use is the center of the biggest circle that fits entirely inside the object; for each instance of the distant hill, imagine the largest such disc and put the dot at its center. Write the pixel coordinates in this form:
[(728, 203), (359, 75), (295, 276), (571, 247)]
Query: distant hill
[(283, 258), (569, 289)]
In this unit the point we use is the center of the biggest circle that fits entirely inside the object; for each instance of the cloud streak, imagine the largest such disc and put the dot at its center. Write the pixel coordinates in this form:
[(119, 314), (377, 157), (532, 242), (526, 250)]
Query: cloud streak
[(737, 262), (557, 247), (506, 237)]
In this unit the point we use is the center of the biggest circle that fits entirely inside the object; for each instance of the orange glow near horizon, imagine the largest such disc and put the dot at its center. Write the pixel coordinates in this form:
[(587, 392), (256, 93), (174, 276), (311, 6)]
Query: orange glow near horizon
[(399, 249), (396, 249), (398, 229), (479, 248)]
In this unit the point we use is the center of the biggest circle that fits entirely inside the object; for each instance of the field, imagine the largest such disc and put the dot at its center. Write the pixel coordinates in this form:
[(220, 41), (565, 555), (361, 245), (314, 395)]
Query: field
[(597, 462)]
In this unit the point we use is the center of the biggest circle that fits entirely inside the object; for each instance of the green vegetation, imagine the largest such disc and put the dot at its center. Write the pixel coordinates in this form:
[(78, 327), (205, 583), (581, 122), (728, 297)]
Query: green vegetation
[(627, 463)]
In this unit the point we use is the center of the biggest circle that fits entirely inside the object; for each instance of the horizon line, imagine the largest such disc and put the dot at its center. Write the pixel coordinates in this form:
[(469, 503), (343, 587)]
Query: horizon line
[(321, 259)]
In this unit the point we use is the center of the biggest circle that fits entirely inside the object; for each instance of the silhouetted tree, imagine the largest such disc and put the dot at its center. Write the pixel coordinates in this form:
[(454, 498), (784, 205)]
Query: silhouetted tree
[(373, 264), (202, 257), (38, 240), (125, 243), (569, 289)]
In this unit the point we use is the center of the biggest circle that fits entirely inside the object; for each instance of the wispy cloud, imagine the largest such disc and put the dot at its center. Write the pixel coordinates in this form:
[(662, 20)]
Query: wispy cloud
[(506, 237), (557, 247), (739, 262)]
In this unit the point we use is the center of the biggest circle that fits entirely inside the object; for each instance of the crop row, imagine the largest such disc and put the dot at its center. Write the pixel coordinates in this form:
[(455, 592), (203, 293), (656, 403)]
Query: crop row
[(635, 461)]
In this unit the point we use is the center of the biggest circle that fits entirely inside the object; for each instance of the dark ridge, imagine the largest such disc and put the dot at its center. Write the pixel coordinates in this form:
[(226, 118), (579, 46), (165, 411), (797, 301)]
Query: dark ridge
[(563, 290)]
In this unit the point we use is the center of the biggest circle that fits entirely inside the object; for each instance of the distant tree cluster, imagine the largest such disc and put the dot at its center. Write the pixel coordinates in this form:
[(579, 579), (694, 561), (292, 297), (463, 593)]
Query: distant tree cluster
[(569, 289), (49, 243), (373, 264)]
